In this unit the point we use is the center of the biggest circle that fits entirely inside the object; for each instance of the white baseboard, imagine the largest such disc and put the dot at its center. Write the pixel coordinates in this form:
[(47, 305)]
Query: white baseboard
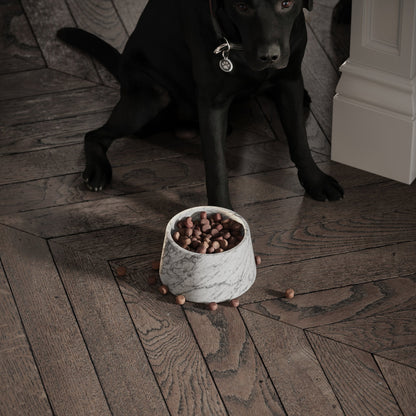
[(374, 122)]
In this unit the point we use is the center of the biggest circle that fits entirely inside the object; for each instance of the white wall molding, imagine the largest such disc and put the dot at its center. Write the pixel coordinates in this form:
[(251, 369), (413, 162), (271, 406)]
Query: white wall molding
[(374, 120)]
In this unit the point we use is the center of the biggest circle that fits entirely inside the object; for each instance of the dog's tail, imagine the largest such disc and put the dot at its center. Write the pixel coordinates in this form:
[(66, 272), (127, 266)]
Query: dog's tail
[(104, 53)]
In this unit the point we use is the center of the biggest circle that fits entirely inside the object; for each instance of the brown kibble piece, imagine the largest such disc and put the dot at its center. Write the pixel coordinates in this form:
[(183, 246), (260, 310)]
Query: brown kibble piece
[(213, 306), (290, 293), (208, 233), (121, 271), (163, 289), (201, 249), (180, 299), (235, 303), (155, 265), (215, 245), (258, 260), (152, 280), (217, 217)]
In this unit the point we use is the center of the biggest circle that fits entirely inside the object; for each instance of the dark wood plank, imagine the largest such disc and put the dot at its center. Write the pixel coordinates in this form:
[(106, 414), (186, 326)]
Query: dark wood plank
[(265, 234), (42, 135), (334, 271), (120, 242), (293, 367), (402, 382), (21, 389), (335, 237), (233, 361), (320, 79), (391, 335), (19, 50), (57, 344), (46, 18), (129, 12), (119, 358), (36, 82), (58, 105), (173, 353), (101, 19), (9, 64), (333, 37), (355, 378), (316, 138), (340, 305)]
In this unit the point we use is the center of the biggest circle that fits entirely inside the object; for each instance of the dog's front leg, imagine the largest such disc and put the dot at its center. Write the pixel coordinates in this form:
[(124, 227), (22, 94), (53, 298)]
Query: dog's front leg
[(288, 96), (213, 118)]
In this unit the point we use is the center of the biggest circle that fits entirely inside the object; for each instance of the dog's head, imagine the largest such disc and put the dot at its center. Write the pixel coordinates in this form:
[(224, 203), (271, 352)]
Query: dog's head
[(264, 27)]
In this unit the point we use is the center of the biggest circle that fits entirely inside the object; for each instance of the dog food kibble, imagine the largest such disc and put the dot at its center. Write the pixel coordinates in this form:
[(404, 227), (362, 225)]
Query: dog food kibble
[(163, 289), (156, 265), (121, 271), (235, 303), (208, 233), (152, 280), (213, 306), (180, 299), (258, 260), (290, 293)]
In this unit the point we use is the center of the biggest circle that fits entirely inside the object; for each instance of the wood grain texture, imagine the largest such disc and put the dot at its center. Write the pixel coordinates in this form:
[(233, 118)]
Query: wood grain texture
[(402, 382), (355, 378), (318, 143), (59, 105), (10, 64), (390, 335), (340, 305), (129, 12), (119, 359), (42, 135), (292, 366), (36, 82), (19, 49), (234, 362), (46, 18), (102, 20), (334, 271), (21, 390), (332, 36), (64, 364), (171, 348), (320, 79), (335, 237)]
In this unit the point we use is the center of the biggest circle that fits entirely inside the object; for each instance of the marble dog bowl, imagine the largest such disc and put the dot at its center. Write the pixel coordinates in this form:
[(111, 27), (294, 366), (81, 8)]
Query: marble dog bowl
[(205, 278)]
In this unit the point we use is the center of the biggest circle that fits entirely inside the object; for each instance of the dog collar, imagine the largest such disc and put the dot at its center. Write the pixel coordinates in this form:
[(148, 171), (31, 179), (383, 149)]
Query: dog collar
[(225, 46)]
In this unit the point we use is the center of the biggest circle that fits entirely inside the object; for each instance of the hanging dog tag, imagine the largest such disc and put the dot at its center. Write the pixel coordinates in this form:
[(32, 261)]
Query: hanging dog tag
[(225, 64)]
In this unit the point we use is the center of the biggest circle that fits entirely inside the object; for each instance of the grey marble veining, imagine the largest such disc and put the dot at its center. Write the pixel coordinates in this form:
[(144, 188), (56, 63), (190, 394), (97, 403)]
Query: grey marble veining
[(205, 278)]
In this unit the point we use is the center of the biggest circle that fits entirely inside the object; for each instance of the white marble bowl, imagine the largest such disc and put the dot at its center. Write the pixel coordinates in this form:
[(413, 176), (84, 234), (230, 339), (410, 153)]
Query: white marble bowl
[(205, 278)]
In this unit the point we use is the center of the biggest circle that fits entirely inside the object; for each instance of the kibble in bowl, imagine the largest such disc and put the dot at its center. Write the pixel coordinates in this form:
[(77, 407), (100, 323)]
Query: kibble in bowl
[(206, 265)]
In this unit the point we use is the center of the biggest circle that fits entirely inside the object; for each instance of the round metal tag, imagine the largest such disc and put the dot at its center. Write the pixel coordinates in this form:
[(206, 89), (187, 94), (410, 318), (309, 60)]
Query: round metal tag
[(226, 65)]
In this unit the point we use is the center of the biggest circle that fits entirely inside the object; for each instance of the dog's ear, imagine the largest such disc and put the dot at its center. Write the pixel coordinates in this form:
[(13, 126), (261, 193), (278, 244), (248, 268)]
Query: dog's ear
[(308, 4)]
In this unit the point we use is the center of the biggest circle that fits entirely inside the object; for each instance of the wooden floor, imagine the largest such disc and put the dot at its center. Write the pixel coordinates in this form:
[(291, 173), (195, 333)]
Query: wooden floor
[(76, 339)]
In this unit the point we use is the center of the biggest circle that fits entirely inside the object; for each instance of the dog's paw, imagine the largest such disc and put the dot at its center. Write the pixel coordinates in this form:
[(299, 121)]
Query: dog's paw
[(321, 186), (97, 175)]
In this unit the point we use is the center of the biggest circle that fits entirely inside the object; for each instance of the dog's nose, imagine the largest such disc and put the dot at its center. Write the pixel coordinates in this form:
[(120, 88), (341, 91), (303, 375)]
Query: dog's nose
[(269, 58), (269, 55)]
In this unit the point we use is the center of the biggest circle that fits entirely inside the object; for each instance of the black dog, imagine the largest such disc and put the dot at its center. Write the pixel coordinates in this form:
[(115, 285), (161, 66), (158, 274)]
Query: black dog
[(188, 60)]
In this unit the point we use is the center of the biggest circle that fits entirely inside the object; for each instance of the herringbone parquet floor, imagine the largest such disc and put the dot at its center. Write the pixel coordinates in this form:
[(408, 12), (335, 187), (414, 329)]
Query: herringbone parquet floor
[(77, 339)]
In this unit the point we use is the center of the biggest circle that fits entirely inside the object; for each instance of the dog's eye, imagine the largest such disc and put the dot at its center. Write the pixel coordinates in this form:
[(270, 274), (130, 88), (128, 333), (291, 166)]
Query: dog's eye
[(241, 7), (287, 4)]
